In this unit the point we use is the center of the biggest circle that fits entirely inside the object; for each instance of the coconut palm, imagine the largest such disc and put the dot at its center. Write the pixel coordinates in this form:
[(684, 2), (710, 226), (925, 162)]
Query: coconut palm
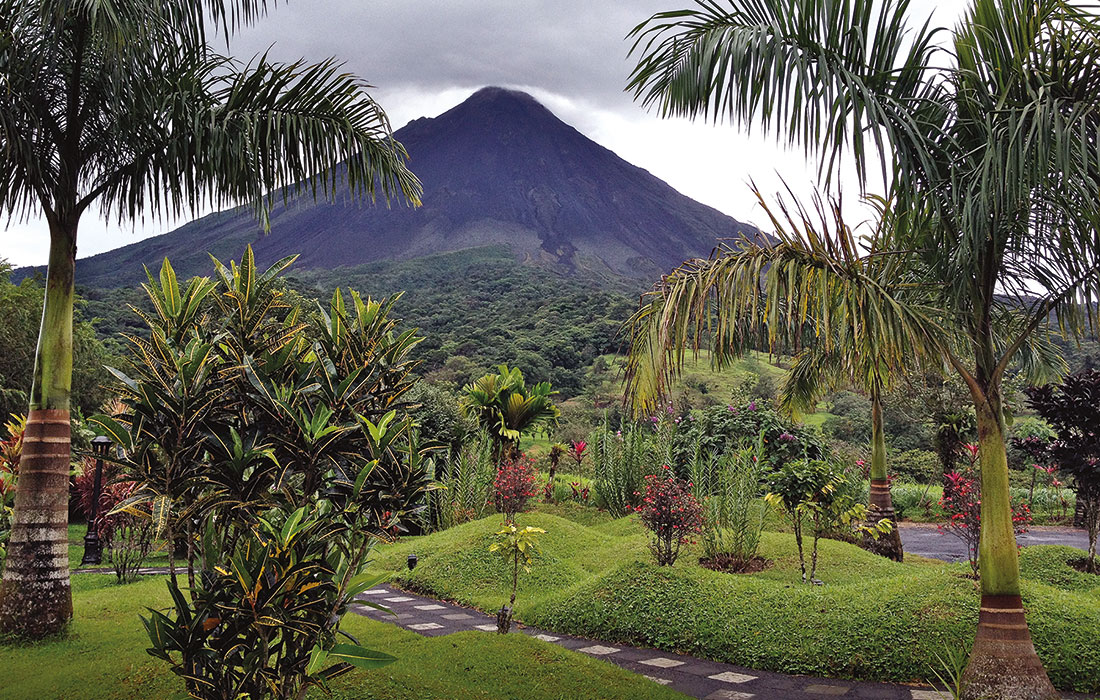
[(124, 105), (505, 407), (988, 148)]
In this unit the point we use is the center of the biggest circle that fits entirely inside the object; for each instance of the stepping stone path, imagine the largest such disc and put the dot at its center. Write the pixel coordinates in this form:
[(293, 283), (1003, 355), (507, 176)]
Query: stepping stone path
[(698, 678)]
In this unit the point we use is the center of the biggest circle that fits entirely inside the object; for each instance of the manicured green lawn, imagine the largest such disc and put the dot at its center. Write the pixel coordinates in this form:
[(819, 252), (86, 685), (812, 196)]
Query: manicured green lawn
[(874, 619), (158, 557), (103, 658)]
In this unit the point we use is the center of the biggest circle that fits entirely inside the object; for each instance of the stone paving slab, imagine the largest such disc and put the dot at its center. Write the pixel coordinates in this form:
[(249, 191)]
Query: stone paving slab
[(698, 678)]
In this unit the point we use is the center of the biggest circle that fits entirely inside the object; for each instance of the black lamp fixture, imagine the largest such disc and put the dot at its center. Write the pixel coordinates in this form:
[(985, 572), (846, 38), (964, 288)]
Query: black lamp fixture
[(93, 548), (412, 561)]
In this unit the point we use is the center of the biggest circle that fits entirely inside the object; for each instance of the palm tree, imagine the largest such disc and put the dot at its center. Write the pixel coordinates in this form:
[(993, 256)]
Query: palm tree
[(817, 370), (505, 407), (820, 290), (988, 148), (125, 105)]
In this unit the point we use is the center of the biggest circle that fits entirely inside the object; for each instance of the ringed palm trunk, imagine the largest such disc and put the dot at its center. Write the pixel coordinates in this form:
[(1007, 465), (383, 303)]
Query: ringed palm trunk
[(1003, 663), (881, 506), (35, 598)]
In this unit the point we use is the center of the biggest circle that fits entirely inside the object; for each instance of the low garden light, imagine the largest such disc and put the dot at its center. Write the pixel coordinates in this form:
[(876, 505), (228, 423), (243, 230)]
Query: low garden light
[(412, 561), (93, 548)]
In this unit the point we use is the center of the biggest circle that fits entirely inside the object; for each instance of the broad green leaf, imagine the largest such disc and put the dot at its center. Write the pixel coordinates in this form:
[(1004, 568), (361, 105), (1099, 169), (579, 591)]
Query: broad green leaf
[(360, 656)]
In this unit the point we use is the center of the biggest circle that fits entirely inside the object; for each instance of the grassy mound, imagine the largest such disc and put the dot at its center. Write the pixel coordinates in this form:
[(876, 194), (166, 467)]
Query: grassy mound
[(103, 658), (874, 619), (1049, 565)]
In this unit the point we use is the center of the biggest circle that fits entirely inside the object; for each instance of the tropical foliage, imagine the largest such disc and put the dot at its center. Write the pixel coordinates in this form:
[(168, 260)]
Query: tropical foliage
[(128, 107), (987, 152), (734, 513), (126, 538), (1073, 411), (517, 547), (277, 447), (11, 446), (818, 493), (505, 407)]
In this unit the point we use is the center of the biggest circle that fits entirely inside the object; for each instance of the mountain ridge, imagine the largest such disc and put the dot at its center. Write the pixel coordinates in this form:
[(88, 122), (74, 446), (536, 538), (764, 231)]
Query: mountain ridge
[(499, 168)]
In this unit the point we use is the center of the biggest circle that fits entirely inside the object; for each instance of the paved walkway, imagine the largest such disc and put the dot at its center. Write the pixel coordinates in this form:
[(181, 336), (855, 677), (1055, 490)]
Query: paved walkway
[(926, 540), (694, 677)]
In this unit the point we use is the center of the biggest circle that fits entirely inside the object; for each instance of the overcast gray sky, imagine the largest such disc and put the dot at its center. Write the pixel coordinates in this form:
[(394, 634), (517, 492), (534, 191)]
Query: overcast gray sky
[(425, 57)]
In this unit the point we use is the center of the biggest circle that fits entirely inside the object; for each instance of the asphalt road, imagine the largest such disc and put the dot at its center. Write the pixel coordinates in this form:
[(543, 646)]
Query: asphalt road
[(927, 540)]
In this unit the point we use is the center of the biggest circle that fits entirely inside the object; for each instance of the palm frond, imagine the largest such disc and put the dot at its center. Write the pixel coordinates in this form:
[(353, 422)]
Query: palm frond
[(829, 76)]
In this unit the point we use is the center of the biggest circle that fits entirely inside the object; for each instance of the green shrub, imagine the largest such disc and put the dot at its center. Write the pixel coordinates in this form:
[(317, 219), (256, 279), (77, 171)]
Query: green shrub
[(620, 461), (915, 466), (818, 493), (465, 479), (720, 429), (734, 512), (917, 502), (275, 441)]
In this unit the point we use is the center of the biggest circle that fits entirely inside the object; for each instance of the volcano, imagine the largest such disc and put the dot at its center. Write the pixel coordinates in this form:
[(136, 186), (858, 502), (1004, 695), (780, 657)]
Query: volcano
[(499, 168)]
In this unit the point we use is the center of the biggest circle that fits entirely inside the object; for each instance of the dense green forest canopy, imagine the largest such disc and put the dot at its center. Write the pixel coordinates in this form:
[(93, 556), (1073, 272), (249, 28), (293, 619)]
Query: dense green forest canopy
[(481, 308), (476, 309)]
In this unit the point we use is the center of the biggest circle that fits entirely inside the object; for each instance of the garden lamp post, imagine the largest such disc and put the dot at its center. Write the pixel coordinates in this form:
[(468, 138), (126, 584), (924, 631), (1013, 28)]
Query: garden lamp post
[(412, 559), (93, 548)]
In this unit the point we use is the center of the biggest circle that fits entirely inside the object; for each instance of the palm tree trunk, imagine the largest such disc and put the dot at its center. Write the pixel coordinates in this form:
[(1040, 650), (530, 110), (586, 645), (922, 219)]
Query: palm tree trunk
[(1003, 664), (881, 506), (35, 598)]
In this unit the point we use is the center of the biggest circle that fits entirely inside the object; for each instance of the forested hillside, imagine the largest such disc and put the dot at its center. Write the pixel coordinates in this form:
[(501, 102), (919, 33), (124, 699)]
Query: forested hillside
[(476, 309)]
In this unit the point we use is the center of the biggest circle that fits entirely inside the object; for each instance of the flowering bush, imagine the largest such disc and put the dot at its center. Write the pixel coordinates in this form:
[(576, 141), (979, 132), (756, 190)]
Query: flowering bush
[(514, 485), (671, 513), (962, 504), (721, 429)]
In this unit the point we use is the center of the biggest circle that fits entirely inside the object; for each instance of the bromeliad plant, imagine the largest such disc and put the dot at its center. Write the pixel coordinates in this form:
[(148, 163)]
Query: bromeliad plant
[(275, 447)]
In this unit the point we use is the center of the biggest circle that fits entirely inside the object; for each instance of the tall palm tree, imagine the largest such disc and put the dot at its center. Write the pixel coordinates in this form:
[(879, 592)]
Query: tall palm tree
[(989, 150), (822, 292), (124, 105)]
